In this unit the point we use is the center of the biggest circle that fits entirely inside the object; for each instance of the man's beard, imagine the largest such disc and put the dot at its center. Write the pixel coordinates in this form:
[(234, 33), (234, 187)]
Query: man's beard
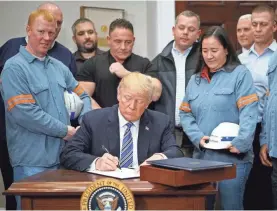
[(83, 49)]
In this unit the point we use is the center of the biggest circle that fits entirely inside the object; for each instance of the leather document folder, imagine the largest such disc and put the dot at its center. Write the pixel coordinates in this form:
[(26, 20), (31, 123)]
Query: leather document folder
[(179, 172), (189, 164)]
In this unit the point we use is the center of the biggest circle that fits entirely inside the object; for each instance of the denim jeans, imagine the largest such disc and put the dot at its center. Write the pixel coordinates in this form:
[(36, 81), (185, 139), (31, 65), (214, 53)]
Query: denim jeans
[(21, 172), (231, 191), (274, 182)]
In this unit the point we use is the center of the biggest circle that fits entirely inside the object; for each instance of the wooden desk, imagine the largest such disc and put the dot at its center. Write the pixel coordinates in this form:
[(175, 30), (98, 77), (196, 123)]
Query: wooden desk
[(62, 190)]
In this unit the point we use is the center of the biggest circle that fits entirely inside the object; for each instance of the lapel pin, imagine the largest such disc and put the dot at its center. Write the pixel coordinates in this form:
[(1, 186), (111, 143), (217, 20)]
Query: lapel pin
[(146, 128)]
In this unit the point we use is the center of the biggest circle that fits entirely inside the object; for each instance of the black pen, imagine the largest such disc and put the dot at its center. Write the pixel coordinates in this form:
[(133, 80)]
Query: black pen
[(105, 149)]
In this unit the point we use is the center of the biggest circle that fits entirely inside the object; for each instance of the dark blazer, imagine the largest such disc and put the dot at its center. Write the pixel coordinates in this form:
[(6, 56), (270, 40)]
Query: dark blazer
[(101, 127)]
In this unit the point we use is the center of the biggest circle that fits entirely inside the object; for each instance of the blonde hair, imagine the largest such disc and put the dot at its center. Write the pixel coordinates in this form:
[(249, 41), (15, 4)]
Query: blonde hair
[(138, 82), (37, 13)]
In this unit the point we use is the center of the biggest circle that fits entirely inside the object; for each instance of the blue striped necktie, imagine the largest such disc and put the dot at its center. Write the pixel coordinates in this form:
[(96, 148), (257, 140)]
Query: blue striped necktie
[(126, 158)]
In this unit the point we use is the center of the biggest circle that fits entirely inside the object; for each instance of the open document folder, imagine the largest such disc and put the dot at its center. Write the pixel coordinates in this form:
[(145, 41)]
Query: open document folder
[(123, 173)]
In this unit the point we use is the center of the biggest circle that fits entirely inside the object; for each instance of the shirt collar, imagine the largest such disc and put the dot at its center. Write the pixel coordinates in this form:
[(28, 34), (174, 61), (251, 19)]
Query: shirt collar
[(226, 68), (78, 55), (177, 52), (26, 39), (30, 57), (112, 59), (244, 50), (272, 47), (123, 121)]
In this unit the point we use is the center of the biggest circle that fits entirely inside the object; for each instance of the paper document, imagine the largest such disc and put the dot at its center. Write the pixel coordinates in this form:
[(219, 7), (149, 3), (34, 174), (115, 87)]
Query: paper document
[(124, 173)]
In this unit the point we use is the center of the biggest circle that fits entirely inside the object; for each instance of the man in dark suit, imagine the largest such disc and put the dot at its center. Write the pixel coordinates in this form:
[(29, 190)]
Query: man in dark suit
[(130, 132)]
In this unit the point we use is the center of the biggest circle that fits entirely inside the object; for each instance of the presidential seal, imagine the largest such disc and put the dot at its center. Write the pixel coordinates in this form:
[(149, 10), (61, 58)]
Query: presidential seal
[(107, 194)]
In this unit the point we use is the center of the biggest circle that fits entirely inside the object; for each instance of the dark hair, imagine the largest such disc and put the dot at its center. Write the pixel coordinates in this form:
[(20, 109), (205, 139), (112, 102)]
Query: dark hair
[(220, 34), (121, 23), (78, 21)]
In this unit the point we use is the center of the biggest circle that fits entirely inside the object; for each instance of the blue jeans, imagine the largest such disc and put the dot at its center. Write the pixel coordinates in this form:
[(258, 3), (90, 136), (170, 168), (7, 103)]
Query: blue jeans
[(231, 191), (21, 172)]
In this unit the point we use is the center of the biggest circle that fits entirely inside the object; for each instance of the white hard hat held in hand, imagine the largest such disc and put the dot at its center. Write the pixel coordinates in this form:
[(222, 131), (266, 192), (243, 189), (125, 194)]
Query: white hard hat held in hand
[(73, 104), (222, 135)]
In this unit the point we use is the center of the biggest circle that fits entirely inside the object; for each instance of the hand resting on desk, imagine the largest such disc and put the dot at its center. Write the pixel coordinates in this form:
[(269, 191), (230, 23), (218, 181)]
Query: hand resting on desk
[(156, 156)]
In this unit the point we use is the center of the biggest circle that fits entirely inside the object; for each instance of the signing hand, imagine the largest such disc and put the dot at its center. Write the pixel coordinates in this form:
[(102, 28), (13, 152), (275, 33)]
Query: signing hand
[(106, 163), (118, 70), (264, 156)]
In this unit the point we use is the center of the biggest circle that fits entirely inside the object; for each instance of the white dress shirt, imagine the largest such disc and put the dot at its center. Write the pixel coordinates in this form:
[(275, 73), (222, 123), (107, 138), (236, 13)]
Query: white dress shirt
[(180, 65)]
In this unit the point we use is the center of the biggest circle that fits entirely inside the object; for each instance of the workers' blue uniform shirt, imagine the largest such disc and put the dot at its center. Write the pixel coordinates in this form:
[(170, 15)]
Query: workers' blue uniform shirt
[(269, 122), (36, 116), (229, 96)]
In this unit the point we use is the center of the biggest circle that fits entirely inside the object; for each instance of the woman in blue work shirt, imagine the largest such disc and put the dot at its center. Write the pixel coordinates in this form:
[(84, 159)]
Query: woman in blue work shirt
[(221, 90)]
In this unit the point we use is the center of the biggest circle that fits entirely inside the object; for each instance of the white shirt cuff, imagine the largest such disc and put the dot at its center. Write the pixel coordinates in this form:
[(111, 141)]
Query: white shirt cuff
[(92, 166)]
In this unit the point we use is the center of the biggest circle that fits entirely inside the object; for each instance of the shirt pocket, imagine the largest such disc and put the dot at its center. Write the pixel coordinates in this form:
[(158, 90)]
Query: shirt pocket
[(41, 94), (62, 85), (194, 102), (223, 99)]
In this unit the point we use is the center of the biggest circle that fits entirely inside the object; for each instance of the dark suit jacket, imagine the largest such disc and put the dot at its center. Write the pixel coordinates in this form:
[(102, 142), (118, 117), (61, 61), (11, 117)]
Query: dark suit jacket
[(101, 127)]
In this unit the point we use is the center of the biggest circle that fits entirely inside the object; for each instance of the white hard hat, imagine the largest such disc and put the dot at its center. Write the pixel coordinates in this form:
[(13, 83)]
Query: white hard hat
[(73, 104), (222, 135)]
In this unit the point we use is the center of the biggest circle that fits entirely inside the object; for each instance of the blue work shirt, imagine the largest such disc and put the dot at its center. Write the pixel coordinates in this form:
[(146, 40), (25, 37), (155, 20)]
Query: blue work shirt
[(36, 116), (269, 124), (258, 66), (229, 96)]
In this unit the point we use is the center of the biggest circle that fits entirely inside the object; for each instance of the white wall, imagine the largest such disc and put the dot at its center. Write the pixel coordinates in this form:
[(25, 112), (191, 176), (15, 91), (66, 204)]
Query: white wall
[(14, 15), (152, 21), (160, 19)]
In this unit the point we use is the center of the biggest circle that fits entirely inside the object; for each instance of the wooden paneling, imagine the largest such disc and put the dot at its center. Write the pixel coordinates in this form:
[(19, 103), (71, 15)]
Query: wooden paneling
[(224, 13)]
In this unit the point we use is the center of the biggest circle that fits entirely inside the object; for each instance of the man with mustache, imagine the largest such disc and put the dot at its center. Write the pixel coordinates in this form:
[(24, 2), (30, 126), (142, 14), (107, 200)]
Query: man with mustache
[(100, 75), (258, 194), (85, 37)]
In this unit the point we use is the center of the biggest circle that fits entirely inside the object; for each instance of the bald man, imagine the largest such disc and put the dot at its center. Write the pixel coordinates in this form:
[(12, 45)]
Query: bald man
[(245, 33), (33, 85), (8, 50)]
